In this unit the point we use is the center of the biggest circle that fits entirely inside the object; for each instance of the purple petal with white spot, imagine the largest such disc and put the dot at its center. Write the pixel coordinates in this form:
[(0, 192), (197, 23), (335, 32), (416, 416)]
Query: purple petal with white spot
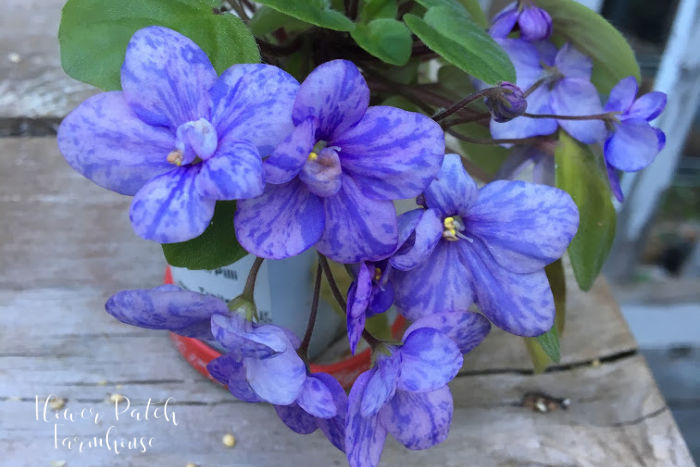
[(614, 180), (538, 103), (357, 228), (622, 95), (284, 221), (297, 419), (169, 207), (535, 24), (521, 304), (465, 328), (382, 385), (503, 23), (578, 97), (632, 146), (648, 107), (573, 64), (392, 153), (316, 398), (438, 284), (221, 367), (453, 191), (420, 231), (106, 142), (524, 226), (419, 420), (334, 428), (166, 307), (359, 295), (288, 158), (336, 94), (277, 379), (235, 172), (166, 77), (429, 360), (364, 436), (253, 103)]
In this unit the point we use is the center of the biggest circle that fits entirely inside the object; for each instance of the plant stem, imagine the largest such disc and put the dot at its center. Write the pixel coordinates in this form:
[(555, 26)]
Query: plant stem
[(535, 85), (462, 103), (603, 116), (351, 9), (249, 289), (304, 347), (470, 119)]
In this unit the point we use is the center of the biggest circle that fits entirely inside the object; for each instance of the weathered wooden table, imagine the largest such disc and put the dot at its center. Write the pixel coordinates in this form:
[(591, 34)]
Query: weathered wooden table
[(66, 245)]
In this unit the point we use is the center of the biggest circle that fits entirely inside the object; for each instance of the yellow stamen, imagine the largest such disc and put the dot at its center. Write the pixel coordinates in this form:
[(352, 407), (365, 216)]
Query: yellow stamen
[(313, 156), (175, 157), (450, 231), (377, 274)]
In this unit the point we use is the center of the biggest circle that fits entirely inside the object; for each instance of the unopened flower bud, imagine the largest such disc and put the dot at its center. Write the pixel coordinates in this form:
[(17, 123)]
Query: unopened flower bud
[(506, 102), (535, 24)]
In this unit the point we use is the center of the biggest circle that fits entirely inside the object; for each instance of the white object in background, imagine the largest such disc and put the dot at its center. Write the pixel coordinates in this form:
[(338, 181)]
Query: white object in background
[(594, 5), (283, 294)]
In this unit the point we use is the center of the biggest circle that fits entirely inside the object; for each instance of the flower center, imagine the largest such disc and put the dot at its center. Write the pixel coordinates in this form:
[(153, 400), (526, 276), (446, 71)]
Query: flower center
[(453, 228), (321, 172), (196, 139)]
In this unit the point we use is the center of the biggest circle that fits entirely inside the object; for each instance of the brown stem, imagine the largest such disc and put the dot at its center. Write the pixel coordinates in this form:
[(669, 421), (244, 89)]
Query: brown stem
[(535, 85), (457, 106), (603, 116), (304, 347), (249, 289)]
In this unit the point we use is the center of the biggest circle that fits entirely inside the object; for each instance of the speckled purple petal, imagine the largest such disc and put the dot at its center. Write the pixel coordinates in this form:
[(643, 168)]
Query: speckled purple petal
[(221, 367), (106, 142), (524, 226), (622, 95), (316, 398), (632, 146), (166, 307), (521, 304), (253, 103), (288, 158), (419, 420), (166, 77), (170, 209), (364, 436), (296, 418), (429, 360), (425, 229), (439, 284), (648, 107), (392, 153), (382, 385), (238, 336), (572, 63), (283, 222), (336, 94), (502, 24), (357, 228), (234, 172), (334, 428), (465, 328), (278, 379), (239, 386), (578, 97), (538, 103), (359, 295), (453, 191), (382, 298)]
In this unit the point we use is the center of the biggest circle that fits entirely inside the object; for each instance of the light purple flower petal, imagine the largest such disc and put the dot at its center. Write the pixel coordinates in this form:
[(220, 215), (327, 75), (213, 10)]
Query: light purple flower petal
[(166, 77), (277, 379), (359, 295), (238, 384), (661, 138), (166, 307), (382, 385), (614, 180), (648, 107), (622, 95), (453, 191), (288, 158), (573, 64), (296, 418), (424, 235), (253, 103), (419, 420), (439, 284), (526, 60), (578, 97), (382, 299), (524, 226), (465, 328), (336, 94), (235, 172), (321, 173), (535, 24), (284, 221), (334, 428), (429, 360), (364, 436), (238, 335), (503, 23), (357, 228), (221, 367), (106, 142), (392, 153), (170, 209), (197, 138), (316, 398), (538, 103), (632, 146), (521, 304)]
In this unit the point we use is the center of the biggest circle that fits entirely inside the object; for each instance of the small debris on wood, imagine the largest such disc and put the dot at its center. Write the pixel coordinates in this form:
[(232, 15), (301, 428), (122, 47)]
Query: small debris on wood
[(544, 403), (116, 398), (57, 403), (102, 382), (191, 465), (14, 57), (595, 363), (229, 440), (57, 463)]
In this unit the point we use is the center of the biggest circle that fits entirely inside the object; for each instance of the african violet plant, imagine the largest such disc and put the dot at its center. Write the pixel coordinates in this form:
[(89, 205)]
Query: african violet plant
[(276, 126)]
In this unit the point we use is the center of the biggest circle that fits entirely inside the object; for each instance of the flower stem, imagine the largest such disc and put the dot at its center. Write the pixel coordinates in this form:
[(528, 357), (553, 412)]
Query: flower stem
[(351, 9), (535, 85), (462, 103), (304, 347), (249, 289), (603, 116)]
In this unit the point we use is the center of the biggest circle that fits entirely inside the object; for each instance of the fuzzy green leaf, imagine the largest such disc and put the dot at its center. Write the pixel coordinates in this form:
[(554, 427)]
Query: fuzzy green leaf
[(317, 12), (385, 38)]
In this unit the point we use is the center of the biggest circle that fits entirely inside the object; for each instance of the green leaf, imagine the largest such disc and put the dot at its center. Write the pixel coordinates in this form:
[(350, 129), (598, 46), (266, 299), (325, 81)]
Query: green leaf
[(94, 33), (462, 43), (317, 12), (489, 157), (385, 38), (267, 20), (540, 359), (215, 248), (613, 58), (372, 9), (457, 84), (557, 282), (579, 173), (476, 12)]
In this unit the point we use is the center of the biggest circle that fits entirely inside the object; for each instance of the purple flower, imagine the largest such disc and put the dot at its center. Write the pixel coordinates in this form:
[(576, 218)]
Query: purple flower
[(566, 90), (178, 138), (331, 182), (535, 23), (632, 143), (506, 103), (167, 307), (528, 160), (406, 393), (491, 247)]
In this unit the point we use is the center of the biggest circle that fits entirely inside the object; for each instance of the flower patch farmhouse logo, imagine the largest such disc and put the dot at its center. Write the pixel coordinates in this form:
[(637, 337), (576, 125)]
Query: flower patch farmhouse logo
[(116, 422)]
